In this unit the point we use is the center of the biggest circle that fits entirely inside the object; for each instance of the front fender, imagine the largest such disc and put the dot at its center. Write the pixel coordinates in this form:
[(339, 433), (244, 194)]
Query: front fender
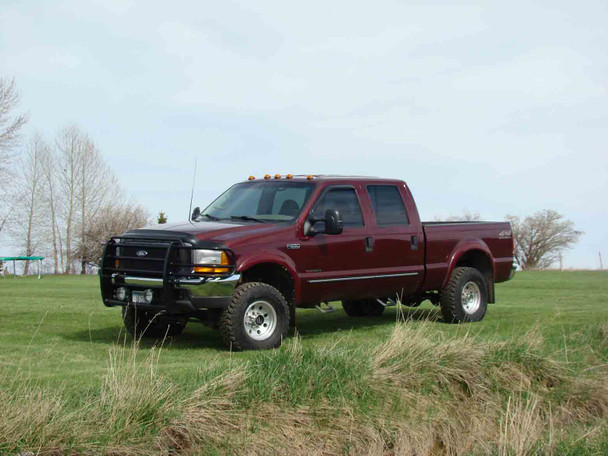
[(247, 261)]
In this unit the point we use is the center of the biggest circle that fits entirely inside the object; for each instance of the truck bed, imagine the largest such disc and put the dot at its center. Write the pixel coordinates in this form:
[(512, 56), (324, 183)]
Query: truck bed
[(444, 241)]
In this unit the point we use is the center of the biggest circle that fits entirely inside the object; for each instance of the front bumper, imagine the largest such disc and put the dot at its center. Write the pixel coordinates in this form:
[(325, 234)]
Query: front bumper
[(165, 270), (183, 295)]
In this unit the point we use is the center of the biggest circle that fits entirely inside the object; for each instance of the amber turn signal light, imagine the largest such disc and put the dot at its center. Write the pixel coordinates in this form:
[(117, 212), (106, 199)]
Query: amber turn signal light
[(207, 270)]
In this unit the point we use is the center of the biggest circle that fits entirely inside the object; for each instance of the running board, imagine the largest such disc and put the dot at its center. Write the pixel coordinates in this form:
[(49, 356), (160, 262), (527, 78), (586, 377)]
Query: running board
[(389, 302), (325, 309)]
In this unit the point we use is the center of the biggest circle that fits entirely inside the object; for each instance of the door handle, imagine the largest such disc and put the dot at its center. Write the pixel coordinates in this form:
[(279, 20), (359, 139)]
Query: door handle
[(369, 244), (414, 242)]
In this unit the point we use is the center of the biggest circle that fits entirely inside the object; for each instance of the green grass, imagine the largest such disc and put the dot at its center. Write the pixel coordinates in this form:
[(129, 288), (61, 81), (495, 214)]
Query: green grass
[(59, 330), (58, 339)]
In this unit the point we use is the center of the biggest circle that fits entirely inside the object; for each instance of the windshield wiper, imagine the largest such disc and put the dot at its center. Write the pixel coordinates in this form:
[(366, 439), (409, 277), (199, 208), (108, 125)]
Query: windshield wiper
[(210, 217), (246, 217)]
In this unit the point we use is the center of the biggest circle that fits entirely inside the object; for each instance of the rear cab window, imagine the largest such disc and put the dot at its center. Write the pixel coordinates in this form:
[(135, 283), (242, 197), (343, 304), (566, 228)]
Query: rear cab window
[(387, 205)]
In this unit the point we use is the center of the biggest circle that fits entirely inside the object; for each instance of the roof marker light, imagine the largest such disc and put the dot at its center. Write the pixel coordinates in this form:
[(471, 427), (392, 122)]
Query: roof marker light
[(310, 177), (277, 176), (289, 176), (266, 176), (251, 178)]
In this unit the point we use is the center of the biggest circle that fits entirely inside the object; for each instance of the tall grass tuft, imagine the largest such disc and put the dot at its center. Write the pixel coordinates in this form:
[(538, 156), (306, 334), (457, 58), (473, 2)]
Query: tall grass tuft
[(417, 393)]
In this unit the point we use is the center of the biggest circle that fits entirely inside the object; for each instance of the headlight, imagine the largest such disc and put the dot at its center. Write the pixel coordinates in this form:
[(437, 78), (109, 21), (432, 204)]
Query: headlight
[(207, 261)]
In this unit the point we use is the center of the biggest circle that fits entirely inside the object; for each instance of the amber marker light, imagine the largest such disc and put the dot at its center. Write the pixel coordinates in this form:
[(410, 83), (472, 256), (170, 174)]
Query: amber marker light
[(289, 176), (251, 178), (310, 177), (266, 176), (277, 176)]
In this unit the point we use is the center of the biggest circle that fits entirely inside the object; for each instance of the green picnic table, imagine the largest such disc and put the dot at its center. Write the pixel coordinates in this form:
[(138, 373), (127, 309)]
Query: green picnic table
[(22, 258)]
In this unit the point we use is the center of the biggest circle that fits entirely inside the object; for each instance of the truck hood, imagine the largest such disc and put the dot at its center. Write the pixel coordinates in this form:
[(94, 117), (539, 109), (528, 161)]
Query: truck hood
[(217, 231)]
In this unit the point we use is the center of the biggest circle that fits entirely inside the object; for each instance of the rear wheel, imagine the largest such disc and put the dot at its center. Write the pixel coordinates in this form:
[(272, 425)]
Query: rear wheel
[(465, 298), (140, 323), (363, 308), (256, 319)]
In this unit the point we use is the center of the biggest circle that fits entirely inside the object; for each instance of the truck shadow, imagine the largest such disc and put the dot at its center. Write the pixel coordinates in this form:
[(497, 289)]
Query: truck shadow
[(309, 324), (312, 324), (195, 336)]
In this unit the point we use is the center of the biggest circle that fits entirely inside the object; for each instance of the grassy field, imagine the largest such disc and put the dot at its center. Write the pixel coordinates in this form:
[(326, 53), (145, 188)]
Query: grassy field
[(529, 379)]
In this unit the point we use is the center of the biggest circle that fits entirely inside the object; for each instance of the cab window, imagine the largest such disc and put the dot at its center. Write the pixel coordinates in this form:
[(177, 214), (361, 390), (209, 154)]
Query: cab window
[(345, 201), (387, 205)]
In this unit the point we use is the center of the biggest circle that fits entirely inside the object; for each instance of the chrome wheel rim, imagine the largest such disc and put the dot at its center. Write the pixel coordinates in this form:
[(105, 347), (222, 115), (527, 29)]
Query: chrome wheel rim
[(470, 297), (260, 320)]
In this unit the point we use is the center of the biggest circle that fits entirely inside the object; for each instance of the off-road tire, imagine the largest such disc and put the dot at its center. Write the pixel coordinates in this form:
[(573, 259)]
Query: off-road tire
[(450, 298), (362, 308), (140, 323), (232, 321)]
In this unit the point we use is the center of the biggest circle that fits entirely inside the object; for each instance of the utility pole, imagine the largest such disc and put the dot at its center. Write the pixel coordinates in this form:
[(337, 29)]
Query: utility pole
[(601, 265)]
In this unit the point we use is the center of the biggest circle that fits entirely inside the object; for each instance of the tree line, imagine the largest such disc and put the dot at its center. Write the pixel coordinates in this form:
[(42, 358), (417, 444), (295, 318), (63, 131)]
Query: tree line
[(59, 198)]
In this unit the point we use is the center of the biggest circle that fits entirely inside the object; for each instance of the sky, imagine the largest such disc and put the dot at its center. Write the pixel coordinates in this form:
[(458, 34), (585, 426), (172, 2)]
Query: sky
[(489, 106)]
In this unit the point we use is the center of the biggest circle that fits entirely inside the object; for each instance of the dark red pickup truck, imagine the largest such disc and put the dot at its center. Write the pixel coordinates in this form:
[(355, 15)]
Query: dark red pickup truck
[(267, 246)]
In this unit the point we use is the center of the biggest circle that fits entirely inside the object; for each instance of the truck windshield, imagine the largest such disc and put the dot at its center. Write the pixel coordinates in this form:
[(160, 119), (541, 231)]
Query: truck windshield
[(260, 201)]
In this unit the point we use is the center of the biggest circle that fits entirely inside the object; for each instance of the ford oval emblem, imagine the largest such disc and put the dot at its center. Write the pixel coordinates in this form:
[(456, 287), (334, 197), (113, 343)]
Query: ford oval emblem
[(141, 253)]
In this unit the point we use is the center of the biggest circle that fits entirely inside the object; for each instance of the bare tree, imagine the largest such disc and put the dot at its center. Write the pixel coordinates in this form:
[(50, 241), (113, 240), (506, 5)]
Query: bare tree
[(10, 129), (111, 220), (540, 238), (466, 216), (70, 142), (10, 123), (50, 185), (97, 187), (29, 204)]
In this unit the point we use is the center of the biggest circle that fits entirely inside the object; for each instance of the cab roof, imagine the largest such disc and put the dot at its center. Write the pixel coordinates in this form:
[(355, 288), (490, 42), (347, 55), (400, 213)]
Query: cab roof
[(325, 178)]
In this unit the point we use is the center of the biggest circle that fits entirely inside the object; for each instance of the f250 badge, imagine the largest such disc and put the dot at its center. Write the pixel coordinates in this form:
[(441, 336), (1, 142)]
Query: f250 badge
[(293, 246), (504, 234), (141, 253)]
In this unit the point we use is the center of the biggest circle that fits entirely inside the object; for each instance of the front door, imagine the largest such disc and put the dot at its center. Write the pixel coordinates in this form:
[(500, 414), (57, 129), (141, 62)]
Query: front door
[(329, 264)]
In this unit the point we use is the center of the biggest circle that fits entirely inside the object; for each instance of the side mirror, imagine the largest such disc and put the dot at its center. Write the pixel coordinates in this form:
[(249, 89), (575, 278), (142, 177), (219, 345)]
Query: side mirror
[(332, 220), (195, 213)]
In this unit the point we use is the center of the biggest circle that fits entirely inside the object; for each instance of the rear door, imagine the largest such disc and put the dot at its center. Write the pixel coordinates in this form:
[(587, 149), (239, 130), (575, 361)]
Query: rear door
[(395, 241)]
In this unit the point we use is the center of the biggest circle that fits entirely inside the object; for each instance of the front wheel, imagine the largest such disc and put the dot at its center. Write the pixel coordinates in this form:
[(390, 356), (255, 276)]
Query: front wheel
[(256, 319), (465, 298)]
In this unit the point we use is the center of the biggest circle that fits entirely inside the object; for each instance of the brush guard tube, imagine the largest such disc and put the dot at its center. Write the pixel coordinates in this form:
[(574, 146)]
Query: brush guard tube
[(176, 289)]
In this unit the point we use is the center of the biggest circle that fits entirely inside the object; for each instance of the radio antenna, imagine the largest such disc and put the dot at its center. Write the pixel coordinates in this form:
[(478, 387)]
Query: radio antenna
[(192, 192)]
